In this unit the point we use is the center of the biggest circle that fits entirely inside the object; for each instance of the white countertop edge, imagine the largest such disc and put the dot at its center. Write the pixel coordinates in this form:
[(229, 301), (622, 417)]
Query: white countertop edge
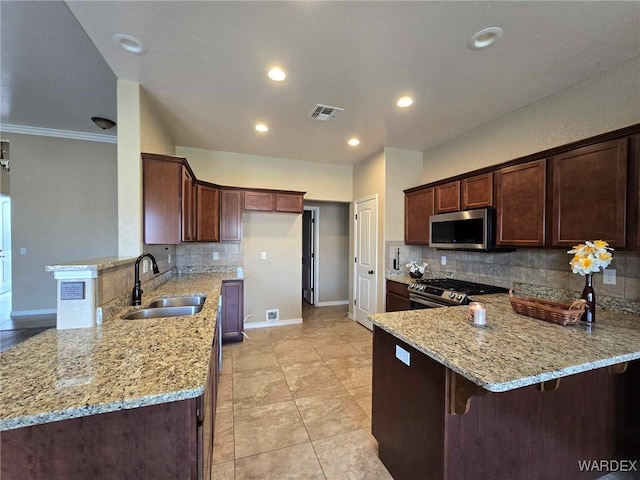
[(96, 409), (519, 382)]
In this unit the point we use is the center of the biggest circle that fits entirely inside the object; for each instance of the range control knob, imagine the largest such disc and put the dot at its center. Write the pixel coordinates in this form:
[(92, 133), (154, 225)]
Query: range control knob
[(460, 296), (452, 295)]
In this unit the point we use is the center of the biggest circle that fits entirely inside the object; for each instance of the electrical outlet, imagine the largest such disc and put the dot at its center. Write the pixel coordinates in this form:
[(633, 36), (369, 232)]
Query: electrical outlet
[(443, 260), (216, 255), (23, 251), (145, 265), (403, 355), (609, 277), (169, 259), (264, 255)]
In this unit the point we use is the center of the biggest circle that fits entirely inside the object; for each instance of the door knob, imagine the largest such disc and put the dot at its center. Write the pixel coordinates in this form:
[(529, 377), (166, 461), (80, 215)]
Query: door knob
[(370, 272)]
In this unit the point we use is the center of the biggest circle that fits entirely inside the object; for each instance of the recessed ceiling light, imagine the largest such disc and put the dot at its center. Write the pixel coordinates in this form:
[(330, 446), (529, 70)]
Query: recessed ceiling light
[(261, 127), (404, 102), (484, 38), (354, 142), (277, 74), (130, 44)]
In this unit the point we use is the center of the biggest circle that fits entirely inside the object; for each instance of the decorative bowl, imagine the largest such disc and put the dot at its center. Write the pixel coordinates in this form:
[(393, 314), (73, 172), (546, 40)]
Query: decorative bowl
[(415, 274)]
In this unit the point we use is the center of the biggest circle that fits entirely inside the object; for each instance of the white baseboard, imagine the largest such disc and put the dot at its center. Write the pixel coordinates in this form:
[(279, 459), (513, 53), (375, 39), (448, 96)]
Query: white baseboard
[(279, 323), (331, 304), (351, 316), (26, 313)]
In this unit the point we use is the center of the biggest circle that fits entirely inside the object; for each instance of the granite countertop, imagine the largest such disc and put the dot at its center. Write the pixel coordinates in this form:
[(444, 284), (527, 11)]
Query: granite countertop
[(514, 351), (121, 364), (93, 264)]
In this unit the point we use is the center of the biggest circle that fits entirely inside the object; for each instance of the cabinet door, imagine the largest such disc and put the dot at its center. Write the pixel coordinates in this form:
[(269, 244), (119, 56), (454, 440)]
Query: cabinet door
[(520, 205), (232, 311), (261, 201), (448, 197), (417, 208), (634, 194), (477, 191), (589, 194), (231, 215), (188, 207), (396, 303), (289, 202), (161, 189), (208, 214)]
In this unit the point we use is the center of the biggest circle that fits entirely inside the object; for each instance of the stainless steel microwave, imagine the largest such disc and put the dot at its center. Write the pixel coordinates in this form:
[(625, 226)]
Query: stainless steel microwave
[(467, 230)]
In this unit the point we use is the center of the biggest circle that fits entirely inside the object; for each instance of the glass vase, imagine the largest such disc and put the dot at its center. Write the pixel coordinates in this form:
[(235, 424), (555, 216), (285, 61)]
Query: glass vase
[(589, 295)]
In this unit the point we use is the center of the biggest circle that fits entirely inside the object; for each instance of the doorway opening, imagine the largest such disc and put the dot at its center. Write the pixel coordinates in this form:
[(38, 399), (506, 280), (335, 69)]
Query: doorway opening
[(310, 254)]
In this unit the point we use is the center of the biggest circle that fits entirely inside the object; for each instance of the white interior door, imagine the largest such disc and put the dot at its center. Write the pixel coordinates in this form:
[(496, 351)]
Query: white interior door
[(5, 244), (308, 225), (366, 290)]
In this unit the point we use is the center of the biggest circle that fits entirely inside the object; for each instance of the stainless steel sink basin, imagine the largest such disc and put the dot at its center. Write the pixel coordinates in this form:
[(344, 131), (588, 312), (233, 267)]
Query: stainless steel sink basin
[(162, 312), (178, 302)]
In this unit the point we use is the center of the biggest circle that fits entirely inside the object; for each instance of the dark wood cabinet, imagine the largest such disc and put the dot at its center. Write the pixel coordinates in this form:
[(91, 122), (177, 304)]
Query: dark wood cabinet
[(397, 297), (232, 310), (260, 201), (418, 205), (520, 205), (207, 213), (477, 191), (188, 206), (589, 194), (634, 194), (448, 197), (289, 202), (231, 215), (162, 193)]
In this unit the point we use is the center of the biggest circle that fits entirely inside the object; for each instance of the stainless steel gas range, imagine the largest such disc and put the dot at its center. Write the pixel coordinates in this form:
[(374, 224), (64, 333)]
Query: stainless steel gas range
[(446, 292)]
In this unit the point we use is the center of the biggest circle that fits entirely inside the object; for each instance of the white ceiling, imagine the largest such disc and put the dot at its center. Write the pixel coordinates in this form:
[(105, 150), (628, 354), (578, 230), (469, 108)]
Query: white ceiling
[(205, 69)]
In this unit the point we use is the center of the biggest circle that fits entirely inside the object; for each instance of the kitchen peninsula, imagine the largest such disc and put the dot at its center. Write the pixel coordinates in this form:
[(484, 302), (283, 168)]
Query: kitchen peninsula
[(517, 399), (124, 399)]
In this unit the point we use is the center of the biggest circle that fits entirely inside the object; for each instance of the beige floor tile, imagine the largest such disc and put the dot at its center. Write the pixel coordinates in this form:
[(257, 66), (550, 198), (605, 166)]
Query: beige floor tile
[(291, 344), (293, 463), (338, 349), (298, 357), (364, 348), (257, 372), (268, 427), (360, 391), (365, 404), (324, 340), (256, 391), (254, 361), (312, 379), (352, 456), (223, 471), (328, 415), (355, 372), (225, 393), (223, 445)]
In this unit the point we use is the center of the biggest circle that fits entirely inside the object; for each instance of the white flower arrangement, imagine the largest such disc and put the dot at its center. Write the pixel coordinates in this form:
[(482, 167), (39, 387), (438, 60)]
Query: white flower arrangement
[(590, 257), (415, 268)]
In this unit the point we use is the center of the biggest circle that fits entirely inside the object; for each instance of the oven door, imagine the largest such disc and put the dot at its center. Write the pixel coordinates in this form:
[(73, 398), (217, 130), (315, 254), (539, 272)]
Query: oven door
[(418, 302)]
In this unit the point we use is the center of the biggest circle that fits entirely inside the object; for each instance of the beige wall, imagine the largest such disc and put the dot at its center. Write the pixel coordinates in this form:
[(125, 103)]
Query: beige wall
[(602, 103), (321, 181), (333, 251), (402, 168), (64, 208), (140, 129), (274, 283)]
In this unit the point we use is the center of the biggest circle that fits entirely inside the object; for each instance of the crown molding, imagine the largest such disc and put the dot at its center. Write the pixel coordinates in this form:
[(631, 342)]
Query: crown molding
[(52, 132)]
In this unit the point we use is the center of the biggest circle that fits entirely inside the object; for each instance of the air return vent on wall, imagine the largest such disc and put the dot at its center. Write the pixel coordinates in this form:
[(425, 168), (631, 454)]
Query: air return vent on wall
[(324, 113)]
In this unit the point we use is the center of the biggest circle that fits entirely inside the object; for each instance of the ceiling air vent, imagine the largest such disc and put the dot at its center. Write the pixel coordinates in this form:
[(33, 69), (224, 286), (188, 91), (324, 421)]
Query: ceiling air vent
[(324, 113)]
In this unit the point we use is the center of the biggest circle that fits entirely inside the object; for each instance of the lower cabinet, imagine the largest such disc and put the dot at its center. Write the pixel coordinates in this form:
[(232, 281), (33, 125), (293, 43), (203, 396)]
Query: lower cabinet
[(397, 297), (232, 310)]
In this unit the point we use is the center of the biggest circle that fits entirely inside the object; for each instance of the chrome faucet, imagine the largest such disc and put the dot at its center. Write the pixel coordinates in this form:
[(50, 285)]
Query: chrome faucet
[(136, 297)]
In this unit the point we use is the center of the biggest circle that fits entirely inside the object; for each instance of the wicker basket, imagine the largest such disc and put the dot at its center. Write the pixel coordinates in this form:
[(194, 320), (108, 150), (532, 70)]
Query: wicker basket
[(547, 310)]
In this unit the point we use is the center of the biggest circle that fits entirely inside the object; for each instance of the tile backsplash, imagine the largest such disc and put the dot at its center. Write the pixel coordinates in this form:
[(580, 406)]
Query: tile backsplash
[(202, 254), (543, 267)]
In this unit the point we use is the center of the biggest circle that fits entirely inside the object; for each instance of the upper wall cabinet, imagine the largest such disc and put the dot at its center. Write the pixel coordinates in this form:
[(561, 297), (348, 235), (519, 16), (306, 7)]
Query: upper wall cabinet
[(231, 215), (477, 191), (274, 201), (520, 205), (589, 194), (447, 197), (207, 213), (634, 194), (162, 178), (188, 206), (418, 206)]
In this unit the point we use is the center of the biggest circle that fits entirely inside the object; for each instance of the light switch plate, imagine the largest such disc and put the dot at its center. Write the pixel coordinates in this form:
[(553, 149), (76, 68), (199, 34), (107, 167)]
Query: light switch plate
[(145, 265), (23, 251), (443, 260), (264, 255), (169, 259), (609, 277), (216, 255), (403, 355)]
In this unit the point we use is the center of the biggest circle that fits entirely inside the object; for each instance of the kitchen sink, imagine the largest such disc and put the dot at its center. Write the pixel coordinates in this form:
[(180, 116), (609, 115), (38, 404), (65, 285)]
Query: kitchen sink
[(177, 311), (195, 300)]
